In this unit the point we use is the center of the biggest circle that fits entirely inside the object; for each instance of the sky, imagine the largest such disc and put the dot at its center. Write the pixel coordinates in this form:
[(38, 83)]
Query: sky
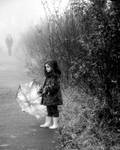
[(16, 16)]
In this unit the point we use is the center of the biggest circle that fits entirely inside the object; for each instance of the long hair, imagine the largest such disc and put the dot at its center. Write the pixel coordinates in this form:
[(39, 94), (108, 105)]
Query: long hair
[(55, 70)]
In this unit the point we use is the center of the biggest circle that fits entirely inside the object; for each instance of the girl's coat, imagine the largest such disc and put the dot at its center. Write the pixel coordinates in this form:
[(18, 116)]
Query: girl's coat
[(51, 93)]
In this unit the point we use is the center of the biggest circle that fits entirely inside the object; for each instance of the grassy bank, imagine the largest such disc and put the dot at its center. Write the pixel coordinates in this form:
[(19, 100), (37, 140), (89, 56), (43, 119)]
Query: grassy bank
[(78, 128)]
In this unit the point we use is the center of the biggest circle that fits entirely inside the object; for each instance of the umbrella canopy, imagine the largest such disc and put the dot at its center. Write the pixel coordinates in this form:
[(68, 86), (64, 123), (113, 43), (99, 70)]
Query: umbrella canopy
[(29, 100)]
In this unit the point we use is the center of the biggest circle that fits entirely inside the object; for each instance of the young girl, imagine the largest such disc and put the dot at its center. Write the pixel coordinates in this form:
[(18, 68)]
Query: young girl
[(51, 93)]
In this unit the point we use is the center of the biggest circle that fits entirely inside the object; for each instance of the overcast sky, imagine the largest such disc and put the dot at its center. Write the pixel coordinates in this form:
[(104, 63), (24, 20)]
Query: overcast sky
[(17, 15)]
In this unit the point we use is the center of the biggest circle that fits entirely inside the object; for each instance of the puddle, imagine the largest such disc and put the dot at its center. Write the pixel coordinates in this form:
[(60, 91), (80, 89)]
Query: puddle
[(4, 145)]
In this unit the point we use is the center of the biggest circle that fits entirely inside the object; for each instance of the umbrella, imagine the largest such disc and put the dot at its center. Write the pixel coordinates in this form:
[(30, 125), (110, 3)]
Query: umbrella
[(29, 100)]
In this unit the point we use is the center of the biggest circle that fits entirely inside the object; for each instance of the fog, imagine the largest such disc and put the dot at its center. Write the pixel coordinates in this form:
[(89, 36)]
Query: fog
[(16, 16)]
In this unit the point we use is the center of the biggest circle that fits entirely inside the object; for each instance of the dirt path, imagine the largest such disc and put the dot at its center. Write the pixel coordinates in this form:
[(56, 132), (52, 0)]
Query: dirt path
[(18, 130)]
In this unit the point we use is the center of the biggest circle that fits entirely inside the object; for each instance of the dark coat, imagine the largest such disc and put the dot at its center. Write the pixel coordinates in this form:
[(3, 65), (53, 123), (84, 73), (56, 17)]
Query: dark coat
[(51, 93)]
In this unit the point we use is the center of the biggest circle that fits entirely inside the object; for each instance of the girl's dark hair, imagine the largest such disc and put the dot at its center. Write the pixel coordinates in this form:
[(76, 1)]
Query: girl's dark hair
[(55, 69)]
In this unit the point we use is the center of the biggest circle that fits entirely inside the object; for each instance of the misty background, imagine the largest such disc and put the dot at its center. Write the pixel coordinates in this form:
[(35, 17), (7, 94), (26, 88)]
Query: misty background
[(17, 16)]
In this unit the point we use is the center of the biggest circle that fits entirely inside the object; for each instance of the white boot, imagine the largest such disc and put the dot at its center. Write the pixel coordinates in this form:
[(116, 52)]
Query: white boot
[(55, 123), (47, 122)]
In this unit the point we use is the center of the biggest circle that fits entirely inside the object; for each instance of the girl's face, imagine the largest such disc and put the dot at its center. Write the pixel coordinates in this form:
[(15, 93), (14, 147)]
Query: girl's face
[(48, 68)]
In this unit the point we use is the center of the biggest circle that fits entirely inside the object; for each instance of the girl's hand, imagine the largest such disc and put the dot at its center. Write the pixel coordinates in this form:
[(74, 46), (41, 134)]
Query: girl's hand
[(40, 91), (44, 91), (59, 108)]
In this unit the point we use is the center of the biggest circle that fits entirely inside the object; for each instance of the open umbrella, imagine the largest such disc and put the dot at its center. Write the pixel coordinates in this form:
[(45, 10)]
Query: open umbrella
[(29, 100)]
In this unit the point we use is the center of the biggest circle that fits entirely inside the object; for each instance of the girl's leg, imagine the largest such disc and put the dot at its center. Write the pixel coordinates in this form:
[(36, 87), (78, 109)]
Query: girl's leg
[(55, 114), (48, 118)]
